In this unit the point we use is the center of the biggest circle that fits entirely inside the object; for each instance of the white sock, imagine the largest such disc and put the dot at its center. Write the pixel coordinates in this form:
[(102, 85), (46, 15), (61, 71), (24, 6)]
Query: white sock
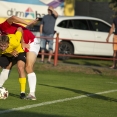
[(32, 83), (4, 76)]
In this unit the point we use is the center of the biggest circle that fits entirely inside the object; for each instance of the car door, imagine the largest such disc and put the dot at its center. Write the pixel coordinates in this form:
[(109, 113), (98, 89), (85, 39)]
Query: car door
[(101, 30), (62, 30), (79, 30)]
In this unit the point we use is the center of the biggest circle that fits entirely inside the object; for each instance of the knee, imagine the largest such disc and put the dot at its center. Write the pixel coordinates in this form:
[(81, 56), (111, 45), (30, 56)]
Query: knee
[(21, 68), (26, 68), (29, 69)]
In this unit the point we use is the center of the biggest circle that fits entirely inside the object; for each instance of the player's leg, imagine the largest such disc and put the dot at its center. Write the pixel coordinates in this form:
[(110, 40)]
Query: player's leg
[(5, 63), (21, 59), (31, 57), (30, 60)]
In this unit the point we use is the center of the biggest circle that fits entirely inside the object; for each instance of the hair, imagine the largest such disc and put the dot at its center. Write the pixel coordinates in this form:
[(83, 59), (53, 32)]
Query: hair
[(4, 39)]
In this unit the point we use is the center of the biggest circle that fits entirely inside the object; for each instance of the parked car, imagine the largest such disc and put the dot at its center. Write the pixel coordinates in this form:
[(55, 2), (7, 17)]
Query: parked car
[(81, 28)]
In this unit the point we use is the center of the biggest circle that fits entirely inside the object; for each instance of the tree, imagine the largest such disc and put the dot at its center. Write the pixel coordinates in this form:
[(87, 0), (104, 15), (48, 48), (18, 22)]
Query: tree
[(94, 0), (70, 5), (113, 6)]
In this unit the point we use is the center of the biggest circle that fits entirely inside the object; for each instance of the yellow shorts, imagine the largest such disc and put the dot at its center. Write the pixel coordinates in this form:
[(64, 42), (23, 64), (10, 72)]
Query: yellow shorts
[(115, 41)]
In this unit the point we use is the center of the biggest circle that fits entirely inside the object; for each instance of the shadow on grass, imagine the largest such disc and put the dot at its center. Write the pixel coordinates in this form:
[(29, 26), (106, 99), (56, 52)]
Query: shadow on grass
[(26, 114), (84, 63), (88, 62), (97, 71), (14, 95), (88, 94)]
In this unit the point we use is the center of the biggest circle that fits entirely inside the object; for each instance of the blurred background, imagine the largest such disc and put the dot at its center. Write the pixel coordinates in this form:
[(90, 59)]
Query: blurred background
[(31, 9)]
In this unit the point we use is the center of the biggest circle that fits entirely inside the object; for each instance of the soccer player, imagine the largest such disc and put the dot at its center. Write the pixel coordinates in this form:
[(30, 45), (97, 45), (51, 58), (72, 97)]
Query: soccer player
[(31, 46), (11, 51)]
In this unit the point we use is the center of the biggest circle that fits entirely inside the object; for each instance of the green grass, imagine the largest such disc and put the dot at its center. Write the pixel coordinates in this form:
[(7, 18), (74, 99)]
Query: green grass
[(66, 81)]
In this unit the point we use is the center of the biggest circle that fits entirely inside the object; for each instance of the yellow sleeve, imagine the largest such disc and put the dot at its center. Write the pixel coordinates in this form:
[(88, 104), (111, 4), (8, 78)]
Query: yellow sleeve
[(18, 34), (14, 43)]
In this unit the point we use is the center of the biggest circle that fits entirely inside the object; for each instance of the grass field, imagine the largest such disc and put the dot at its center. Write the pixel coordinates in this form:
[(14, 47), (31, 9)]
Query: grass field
[(84, 88)]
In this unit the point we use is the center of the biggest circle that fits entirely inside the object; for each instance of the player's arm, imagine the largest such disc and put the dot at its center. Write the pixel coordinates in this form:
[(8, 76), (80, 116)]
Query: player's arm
[(15, 19), (19, 34), (24, 45), (19, 37)]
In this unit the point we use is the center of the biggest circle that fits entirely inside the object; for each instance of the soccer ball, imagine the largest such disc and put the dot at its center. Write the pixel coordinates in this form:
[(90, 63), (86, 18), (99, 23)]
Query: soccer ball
[(3, 93)]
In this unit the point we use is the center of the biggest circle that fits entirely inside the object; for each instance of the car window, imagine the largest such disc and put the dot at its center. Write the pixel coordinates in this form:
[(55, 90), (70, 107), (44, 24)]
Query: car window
[(74, 24), (63, 24), (80, 24), (98, 26), (70, 24)]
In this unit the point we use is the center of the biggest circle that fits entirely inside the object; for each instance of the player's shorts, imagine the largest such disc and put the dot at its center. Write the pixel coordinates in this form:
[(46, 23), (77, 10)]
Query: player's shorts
[(5, 60), (21, 56), (35, 46), (115, 41)]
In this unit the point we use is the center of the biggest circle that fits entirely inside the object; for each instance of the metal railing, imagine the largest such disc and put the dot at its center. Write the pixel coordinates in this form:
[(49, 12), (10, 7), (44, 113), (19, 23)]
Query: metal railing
[(56, 54)]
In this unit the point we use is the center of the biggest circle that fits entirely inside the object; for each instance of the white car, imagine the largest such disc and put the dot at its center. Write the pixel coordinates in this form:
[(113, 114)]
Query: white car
[(82, 28)]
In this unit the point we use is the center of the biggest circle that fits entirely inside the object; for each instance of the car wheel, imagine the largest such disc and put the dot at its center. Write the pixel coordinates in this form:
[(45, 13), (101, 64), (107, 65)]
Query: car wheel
[(65, 48)]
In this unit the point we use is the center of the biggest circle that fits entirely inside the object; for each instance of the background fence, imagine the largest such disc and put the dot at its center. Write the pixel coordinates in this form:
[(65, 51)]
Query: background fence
[(56, 53)]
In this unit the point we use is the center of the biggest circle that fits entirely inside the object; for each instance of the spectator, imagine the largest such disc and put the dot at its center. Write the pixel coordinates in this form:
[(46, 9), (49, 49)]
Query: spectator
[(113, 29), (47, 30)]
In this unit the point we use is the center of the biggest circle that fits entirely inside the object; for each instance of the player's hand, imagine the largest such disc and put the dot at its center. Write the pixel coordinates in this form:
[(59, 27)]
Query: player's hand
[(14, 53), (27, 46), (24, 45)]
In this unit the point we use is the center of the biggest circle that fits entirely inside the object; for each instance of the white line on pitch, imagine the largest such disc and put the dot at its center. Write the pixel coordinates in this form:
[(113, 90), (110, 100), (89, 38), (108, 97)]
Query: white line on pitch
[(112, 82), (53, 102)]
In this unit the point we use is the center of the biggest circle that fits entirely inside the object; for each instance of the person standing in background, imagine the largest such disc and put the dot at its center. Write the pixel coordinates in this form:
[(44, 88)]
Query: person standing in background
[(113, 29), (47, 30)]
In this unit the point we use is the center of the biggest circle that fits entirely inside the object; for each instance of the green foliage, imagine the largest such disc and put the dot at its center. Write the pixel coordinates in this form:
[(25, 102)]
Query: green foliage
[(113, 6), (95, 0)]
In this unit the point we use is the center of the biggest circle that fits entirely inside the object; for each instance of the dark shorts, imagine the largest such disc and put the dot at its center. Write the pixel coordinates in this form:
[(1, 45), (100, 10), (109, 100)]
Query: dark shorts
[(5, 60)]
